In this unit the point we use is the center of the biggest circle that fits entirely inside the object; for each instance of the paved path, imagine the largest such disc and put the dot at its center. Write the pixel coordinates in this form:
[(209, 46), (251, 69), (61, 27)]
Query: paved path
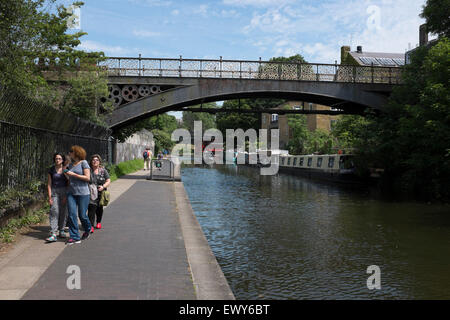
[(142, 252)]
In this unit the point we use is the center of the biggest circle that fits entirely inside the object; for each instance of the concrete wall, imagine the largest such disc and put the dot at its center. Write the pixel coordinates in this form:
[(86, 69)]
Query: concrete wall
[(134, 146)]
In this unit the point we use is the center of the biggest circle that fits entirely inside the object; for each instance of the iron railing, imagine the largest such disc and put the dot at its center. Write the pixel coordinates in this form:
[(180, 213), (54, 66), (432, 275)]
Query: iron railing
[(15, 108), (240, 69), (27, 153), (31, 132)]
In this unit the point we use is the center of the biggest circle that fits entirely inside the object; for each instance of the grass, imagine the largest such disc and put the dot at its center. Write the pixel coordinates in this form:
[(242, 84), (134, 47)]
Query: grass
[(8, 232), (123, 168)]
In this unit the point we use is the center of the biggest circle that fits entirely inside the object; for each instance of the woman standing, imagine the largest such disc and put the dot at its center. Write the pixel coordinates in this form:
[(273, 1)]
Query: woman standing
[(78, 194), (100, 177), (57, 189)]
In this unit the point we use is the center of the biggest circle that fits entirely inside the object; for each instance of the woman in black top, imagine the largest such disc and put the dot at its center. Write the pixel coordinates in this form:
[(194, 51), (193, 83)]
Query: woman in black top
[(57, 188)]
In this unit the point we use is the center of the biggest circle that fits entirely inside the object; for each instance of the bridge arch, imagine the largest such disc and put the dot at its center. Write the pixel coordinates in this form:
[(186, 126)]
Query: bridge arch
[(351, 97)]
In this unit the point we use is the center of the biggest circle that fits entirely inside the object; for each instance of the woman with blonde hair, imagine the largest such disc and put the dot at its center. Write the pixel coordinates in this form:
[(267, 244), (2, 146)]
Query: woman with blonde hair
[(78, 194), (100, 177)]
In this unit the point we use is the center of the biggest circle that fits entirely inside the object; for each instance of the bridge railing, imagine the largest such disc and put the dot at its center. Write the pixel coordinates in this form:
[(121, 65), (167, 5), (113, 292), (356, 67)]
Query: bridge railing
[(240, 69)]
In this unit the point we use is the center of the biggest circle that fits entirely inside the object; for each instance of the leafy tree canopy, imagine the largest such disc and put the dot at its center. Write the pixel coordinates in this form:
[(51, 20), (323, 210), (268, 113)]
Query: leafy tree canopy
[(437, 13)]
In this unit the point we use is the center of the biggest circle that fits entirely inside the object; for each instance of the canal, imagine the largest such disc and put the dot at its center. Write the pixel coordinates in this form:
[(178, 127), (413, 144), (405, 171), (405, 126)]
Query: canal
[(286, 237)]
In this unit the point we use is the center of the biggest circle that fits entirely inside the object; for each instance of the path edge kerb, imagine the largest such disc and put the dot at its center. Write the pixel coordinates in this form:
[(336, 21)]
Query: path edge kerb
[(207, 276)]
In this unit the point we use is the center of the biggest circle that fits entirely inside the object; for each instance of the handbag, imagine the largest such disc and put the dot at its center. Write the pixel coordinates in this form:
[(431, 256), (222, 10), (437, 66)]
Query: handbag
[(94, 191), (104, 198)]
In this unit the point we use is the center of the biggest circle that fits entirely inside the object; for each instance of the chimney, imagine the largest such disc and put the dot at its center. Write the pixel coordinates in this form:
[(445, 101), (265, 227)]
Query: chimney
[(423, 35), (359, 49), (344, 53)]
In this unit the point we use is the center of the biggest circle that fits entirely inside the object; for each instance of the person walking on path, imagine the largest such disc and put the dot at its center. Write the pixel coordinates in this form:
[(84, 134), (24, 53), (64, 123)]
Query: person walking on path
[(147, 154), (78, 194), (99, 177), (57, 198)]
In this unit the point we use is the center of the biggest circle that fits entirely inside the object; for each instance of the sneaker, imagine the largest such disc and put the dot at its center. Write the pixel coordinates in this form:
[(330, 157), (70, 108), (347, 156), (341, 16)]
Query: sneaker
[(85, 235), (72, 241), (62, 234), (52, 238), (92, 229), (98, 226)]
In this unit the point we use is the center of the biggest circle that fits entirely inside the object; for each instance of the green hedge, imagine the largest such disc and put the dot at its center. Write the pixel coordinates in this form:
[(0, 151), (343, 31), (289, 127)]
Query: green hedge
[(123, 168)]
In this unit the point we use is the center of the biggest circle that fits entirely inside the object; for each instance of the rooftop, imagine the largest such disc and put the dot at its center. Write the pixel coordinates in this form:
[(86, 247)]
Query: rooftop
[(378, 58)]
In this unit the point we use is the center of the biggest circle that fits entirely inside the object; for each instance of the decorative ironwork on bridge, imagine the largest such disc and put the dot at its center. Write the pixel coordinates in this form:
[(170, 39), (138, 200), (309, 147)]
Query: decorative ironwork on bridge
[(234, 69)]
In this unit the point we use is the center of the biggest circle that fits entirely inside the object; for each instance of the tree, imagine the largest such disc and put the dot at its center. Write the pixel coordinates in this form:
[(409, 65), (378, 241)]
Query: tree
[(437, 13), (39, 59), (208, 120)]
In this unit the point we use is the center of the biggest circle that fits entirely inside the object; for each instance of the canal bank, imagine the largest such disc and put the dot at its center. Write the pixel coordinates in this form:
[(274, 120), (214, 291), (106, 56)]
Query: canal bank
[(150, 247)]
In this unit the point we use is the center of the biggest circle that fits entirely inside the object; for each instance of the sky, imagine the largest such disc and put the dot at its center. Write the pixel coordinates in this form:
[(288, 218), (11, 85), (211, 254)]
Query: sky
[(248, 29)]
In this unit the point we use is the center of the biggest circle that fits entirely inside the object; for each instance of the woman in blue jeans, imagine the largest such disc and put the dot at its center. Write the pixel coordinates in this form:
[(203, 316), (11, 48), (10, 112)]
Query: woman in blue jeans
[(78, 194)]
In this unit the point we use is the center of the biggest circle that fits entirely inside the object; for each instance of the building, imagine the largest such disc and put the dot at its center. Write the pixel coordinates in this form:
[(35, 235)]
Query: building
[(423, 41), (313, 121), (361, 58)]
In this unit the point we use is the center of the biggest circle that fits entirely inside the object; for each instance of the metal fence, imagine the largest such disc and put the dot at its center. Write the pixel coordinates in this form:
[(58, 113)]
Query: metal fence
[(232, 69), (15, 108), (31, 132), (26, 153)]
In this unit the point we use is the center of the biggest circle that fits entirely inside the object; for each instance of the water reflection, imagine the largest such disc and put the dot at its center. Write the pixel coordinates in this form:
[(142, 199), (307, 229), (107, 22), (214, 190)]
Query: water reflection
[(284, 237)]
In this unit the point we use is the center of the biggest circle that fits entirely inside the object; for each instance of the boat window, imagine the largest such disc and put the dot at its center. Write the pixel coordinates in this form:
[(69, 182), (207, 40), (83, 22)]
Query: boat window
[(346, 162), (301, 162), (295, 161), (282, 161), (330, 162), (319, 162), (309, 162), (289, 161)]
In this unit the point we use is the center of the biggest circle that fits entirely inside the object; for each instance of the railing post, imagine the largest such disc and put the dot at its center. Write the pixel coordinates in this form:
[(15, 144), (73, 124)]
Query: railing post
[(390, 75), (160, 67), (259, 69), (240, 69), (201, 67), (179, 68), (317, 73), (372, 71), (335, 70), (354, 73), (120, 73), (279, 71), (140, 64), (220, 67)]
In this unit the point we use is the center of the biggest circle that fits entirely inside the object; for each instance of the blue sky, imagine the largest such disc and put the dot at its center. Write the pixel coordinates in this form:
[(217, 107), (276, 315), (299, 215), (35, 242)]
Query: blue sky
[(248, 29)]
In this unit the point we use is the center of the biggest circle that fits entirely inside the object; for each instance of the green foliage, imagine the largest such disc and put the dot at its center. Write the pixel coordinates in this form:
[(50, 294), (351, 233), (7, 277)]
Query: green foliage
[(8, 232), (161, 126), (123, 168), (304, 141), (437, 13), (162, 140), (208, 120), (234, 120), (411, 139), (82, 99), (12, 196), (31, 29), (300, 133)]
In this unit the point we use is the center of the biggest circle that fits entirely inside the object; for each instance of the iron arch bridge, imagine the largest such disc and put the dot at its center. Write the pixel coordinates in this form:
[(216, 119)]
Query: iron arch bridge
[(142, 87)]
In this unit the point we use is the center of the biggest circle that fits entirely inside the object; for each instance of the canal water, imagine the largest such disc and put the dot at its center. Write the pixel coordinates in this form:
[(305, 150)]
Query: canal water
[(287, 237)]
